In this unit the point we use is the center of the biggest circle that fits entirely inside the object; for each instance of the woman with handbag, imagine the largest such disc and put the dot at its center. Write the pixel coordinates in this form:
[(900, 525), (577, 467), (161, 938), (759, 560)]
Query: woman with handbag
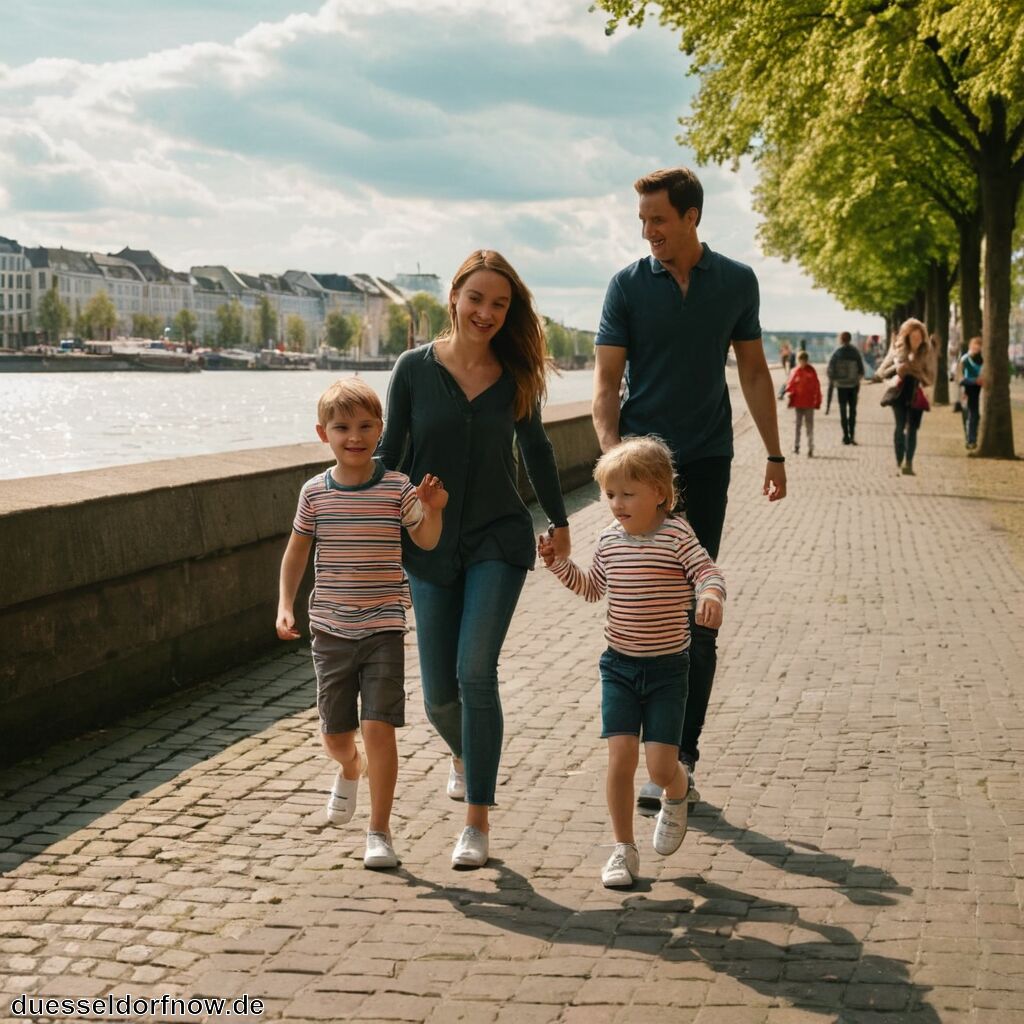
[(908, 368)]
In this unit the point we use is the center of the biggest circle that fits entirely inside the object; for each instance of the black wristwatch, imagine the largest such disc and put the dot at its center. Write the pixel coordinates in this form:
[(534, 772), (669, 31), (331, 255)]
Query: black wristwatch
[(776, 458)]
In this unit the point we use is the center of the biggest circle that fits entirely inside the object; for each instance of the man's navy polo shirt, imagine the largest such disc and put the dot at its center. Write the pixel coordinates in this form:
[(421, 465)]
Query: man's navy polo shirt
[(676, 349)]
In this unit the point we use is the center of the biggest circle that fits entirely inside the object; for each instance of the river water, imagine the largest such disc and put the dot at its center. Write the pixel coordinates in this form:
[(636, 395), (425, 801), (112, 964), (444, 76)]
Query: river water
[(60, 422)]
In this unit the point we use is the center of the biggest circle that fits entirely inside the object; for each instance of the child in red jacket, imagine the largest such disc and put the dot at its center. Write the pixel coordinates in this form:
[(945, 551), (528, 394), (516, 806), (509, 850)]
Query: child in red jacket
[(804, 392)]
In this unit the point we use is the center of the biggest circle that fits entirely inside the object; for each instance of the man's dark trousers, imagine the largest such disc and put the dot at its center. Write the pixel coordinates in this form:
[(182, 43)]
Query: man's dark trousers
[(704, 486), (848, 411)]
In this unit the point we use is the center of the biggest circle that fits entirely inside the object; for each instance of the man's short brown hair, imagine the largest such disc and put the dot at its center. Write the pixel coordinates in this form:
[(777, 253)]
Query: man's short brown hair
[(346, 395), (685, 191)]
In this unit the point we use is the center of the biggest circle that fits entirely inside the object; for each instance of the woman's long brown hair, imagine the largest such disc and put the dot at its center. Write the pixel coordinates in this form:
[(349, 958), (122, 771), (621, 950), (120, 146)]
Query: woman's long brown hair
[(520, 345)]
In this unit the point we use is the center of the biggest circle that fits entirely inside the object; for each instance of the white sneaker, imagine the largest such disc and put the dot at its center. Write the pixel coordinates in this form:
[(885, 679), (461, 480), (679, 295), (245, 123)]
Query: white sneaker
[(341, 804), (670, 826), (379, 851), (471, 849), (649, 797), (457, 779), (622, 868)]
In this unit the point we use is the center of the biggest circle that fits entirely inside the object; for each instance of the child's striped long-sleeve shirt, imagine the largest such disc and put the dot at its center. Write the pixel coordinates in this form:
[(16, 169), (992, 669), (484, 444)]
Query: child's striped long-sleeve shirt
[(651, 580)]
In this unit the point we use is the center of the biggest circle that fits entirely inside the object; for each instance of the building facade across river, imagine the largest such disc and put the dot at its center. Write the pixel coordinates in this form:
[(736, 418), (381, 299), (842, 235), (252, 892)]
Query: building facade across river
[(137, 283)]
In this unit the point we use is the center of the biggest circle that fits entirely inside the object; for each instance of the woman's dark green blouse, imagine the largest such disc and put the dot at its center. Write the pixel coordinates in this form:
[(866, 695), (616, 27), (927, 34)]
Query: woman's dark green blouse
[(433, 428)]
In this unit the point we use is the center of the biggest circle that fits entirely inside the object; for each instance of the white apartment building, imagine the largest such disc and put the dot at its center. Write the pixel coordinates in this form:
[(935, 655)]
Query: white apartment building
[(137, 282), (16, 326), (165, 292)]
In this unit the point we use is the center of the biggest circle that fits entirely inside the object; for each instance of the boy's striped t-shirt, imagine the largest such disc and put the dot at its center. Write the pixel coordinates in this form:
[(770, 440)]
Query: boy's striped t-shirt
[(360, 585), (651, 581)]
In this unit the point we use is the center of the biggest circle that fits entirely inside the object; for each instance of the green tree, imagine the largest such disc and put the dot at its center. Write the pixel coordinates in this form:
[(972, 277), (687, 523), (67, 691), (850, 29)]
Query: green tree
[(953, 68), (584, 343), (560, 342), (230, 325), (184, 326), (81, 324), (54, 315), (146, 326), (266, 322), (819, 201), (295, 333), (425, 305), (396, 338), (343, 330), (100, 316)]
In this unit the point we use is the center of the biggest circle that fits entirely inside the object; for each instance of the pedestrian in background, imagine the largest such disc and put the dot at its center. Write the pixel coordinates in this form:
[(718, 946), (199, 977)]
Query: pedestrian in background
[(845, 372), (786, 357), (804, 390), (907, 369), (971, 383)]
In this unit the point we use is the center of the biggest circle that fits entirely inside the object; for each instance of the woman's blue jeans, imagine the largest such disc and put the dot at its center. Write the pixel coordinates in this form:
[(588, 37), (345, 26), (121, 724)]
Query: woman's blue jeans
[(460, 628)]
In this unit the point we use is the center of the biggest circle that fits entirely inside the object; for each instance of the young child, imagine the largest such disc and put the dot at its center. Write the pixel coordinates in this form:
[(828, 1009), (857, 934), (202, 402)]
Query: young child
[(804, 390), (354, 512), (649, 562)]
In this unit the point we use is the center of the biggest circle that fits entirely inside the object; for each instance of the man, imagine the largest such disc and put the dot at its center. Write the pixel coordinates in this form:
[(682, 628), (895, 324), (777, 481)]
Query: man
[(845, 372), (671, 317)]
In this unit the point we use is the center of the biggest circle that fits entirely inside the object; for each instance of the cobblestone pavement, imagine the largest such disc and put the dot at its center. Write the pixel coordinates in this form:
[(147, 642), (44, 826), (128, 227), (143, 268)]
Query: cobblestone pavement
[(857, 856)]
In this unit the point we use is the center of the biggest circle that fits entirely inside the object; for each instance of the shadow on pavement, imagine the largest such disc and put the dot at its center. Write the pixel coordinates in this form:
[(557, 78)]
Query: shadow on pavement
[(822, 969), (861, 884), (47, 799)]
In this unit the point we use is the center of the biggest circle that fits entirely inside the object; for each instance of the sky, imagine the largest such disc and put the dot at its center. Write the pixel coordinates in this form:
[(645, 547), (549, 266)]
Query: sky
[(347, 136)]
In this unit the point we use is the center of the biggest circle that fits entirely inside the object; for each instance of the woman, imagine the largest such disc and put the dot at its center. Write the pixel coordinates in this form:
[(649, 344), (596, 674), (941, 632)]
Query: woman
[(908, 367), (456, 405)]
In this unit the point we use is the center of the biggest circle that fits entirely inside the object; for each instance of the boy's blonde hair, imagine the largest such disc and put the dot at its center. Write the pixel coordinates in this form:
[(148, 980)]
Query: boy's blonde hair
[(346, 395), (644, 459), (802, 356)]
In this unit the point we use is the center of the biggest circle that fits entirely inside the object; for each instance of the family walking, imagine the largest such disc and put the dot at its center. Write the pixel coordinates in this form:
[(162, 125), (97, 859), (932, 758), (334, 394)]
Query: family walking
[(460, 541)]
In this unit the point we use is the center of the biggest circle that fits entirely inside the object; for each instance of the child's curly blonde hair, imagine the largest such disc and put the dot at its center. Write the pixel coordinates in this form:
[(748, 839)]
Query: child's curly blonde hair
[(644, 459)]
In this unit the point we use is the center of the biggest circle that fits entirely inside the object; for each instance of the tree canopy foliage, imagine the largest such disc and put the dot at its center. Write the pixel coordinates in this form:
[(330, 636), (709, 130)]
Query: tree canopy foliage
[(100, 316), (54, 314), (295, 333), (343, 330), (230, 325)]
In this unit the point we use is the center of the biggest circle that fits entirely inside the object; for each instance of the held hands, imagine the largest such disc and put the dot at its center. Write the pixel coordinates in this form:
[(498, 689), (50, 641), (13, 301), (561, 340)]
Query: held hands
[(286, 625), (555, 544), (432, 494), (775, 481), (709, 613), (546, 549)]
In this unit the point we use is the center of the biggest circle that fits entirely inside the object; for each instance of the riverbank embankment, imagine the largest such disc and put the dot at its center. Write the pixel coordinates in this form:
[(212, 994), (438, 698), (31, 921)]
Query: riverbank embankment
[(124, 584)]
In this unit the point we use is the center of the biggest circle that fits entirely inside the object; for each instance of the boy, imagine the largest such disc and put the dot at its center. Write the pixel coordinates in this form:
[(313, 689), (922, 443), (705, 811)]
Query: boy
[(355, 512), (804, 390)]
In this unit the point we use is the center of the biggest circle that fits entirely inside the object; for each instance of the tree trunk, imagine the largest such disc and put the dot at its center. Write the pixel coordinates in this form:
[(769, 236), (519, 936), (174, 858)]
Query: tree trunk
[(938, 322), (1000, 188), (970, 278)]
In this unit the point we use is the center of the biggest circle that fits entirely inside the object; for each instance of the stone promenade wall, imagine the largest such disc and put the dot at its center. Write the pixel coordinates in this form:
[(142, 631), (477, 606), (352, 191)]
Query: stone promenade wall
[(122, 584)]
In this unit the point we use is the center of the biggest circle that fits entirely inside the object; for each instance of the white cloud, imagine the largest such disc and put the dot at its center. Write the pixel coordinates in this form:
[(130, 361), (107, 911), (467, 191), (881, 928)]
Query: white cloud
[(372, 137)]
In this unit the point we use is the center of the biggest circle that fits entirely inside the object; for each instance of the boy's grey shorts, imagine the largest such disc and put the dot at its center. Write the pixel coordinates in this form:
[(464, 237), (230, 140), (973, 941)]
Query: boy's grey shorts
[(371, 668)]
